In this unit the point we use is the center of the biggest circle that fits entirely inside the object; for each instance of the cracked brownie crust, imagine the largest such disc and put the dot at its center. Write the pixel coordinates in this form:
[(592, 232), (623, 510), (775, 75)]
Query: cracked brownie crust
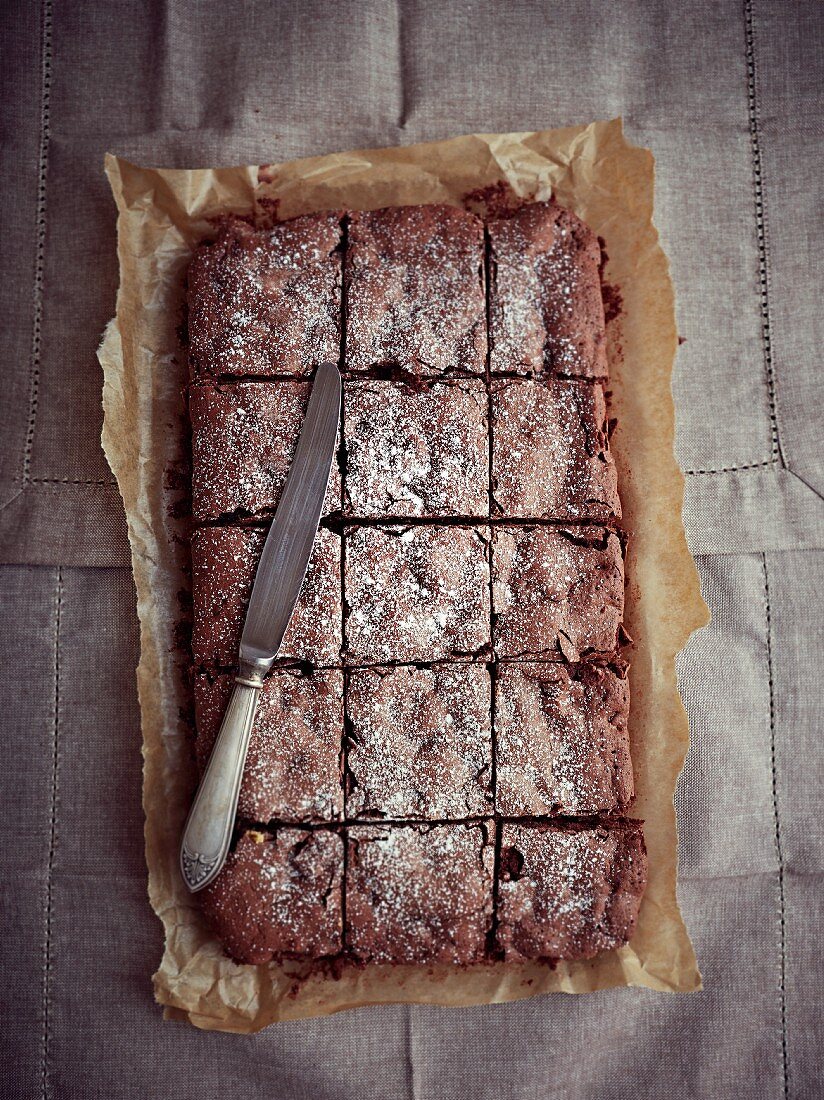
[(266, 303), (279, 896), (551, 451), (293, 767), (420, 742), (567, 893), (546, 310), (439, 768), (416, 450), (244, 436), (414, 290), (419, 893)]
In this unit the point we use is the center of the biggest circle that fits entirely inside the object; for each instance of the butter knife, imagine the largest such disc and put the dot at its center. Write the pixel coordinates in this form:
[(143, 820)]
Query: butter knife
[(277, 584)]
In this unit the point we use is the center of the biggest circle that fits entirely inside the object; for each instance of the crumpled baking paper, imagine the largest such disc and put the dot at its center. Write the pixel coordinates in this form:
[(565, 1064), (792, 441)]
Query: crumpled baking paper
[(162, 215)]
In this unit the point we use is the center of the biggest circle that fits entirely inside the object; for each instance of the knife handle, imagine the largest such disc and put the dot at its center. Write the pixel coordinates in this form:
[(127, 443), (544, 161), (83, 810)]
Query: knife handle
[(212, 816)]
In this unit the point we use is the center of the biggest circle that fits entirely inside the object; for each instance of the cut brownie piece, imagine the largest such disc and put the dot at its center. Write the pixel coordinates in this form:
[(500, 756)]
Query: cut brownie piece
[(569, 893), (293, 767), (416, 593), (546, 310), (279, 896), (420, 742), (266, 302), (550, 452), (414, 290), (418, 893), (416, 451), (558, 592), (224, 560), (244, 436), (562, 740)]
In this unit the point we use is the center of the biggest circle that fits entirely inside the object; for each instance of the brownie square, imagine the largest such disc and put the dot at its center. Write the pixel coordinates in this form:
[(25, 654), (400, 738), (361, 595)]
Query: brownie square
[(279, 896), (546, 309), (418, 893), (420, 742), (416, 593), (244, 436), (550, 450), (293, 769), (266, 302), (557, 592), (562, 745), (414, 289), (567, 893), (224, 560), (416, 450)]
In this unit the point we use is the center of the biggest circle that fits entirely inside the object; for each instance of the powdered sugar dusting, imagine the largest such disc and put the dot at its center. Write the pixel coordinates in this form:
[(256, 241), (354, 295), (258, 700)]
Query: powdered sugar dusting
[(279, 896), (551, 454), (244, 436), (292, 769), (546, 307), (224, 560), (419, 893), (562, 740), (414, 290), (568, 893), (416, 452), (416, 593), (421, 742), (266, 302), (558, 593)]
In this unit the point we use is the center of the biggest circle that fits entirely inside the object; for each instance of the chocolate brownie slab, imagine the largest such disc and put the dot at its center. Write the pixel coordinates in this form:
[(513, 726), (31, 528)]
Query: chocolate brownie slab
[(557, 592), (224, 560), (416, 593), (266, 302), (420, 742), (244, 436), (418, 893), (279, 896), (550, 450), (567, 893), (562, 745), (546, 310), (416, 450), (293, 768), (414, 290)]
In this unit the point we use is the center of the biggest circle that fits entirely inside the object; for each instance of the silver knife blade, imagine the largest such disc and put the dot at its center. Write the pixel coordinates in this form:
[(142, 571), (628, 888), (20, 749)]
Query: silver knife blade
[(288, 545)]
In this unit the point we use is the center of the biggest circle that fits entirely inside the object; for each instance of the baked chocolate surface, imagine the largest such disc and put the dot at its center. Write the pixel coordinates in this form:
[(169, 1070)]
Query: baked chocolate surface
[(567, 893), (420, 742), (224, 560), (462, 676), (266, 302), (557, 592), (419, 893), (562, 743), (550, 450), (293, 768), (416, 450), (414, 290), (279, 896), (546, 309), (244, 436), (416, 593)]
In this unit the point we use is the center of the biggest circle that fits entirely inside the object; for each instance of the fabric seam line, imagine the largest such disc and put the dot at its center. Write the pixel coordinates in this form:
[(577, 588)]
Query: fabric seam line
[(762, 241), (778, 846), (40, 246), (761, 223), (47, 945)]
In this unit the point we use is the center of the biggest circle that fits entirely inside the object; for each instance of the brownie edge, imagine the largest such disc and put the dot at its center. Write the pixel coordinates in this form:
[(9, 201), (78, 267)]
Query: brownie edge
[(568, 893)]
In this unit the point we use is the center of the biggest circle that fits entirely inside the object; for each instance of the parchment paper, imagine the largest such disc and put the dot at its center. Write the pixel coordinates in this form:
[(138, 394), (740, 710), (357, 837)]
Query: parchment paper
[(162, 215)]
